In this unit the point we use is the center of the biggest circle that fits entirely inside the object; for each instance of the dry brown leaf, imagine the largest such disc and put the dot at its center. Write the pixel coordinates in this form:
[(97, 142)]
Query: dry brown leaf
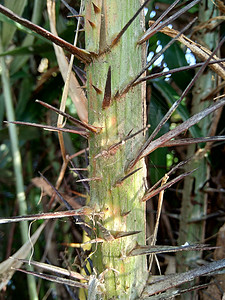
[(7, 267), (76, 93), (220, 5), (209, 24), (201, 52)]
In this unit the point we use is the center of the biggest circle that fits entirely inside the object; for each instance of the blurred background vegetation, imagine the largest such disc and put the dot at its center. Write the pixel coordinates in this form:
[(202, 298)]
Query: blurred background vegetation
[(34, 74)]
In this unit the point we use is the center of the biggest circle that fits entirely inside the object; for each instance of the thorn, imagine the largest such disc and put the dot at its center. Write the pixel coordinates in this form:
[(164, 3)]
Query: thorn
[(107, 96), (105, 232), (125, 213), (120, 234), (125, 177), (129, 136), (97, 10), (92, 24), (98, 91), (152, 30), (117, 38), (69, 117)]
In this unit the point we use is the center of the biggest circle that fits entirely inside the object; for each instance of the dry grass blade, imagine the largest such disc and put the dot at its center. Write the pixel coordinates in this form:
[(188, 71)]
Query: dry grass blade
[(84, 211), (151, 194), (150, 145), (180, 164), (173, 71), (198, 50), (55, 279), (152, 30), (81, 54), (174, 107), (189, 141), (76, 93), (6, 267), (172, 281), (52, 128), (182, 127), (170, 294), (54, 269), (151, 249), (164, 14), (158, 214)]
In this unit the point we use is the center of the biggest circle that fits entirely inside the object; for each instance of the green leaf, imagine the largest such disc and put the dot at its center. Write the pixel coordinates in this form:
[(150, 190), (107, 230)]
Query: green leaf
[(171, 96), (158, 160), (8, 22), (8, 30), (26, 87), (31, 49)]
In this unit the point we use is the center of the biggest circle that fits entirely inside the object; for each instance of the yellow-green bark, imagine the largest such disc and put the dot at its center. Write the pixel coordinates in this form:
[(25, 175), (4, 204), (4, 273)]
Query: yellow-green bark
[(120, 202)]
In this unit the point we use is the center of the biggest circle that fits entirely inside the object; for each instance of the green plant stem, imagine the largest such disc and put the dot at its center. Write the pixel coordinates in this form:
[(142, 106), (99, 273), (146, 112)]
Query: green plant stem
[(16, 164), (119, 200)]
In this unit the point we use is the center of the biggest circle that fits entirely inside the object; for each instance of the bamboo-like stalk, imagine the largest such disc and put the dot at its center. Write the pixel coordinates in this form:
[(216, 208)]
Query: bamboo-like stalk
[(119, 200), (16, 163), (194, 200)]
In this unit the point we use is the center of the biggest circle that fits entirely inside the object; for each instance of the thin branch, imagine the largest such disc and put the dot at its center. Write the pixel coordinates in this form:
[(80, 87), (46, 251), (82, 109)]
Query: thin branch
[(153, 193), (119, 35), (81, 54), (150, 249), (179, 165), (174, 107), (128, 175), (131, 83), (188, 141), (56, 279), (69, 117), (164, 14), (173, 280), (176, 70), (84, 211), (181, 128), (152, 30), (52, 128)]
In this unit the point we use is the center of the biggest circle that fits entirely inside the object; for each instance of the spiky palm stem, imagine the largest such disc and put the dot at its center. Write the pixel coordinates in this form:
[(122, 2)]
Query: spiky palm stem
[(111, 69)]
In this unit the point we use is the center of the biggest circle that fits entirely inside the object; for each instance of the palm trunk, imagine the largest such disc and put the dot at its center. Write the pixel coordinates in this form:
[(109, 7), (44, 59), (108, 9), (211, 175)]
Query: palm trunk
[(110, 70)]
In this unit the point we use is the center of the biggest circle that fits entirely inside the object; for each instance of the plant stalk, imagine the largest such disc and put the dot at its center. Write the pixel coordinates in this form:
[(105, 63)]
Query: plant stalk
[(118, 199)]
